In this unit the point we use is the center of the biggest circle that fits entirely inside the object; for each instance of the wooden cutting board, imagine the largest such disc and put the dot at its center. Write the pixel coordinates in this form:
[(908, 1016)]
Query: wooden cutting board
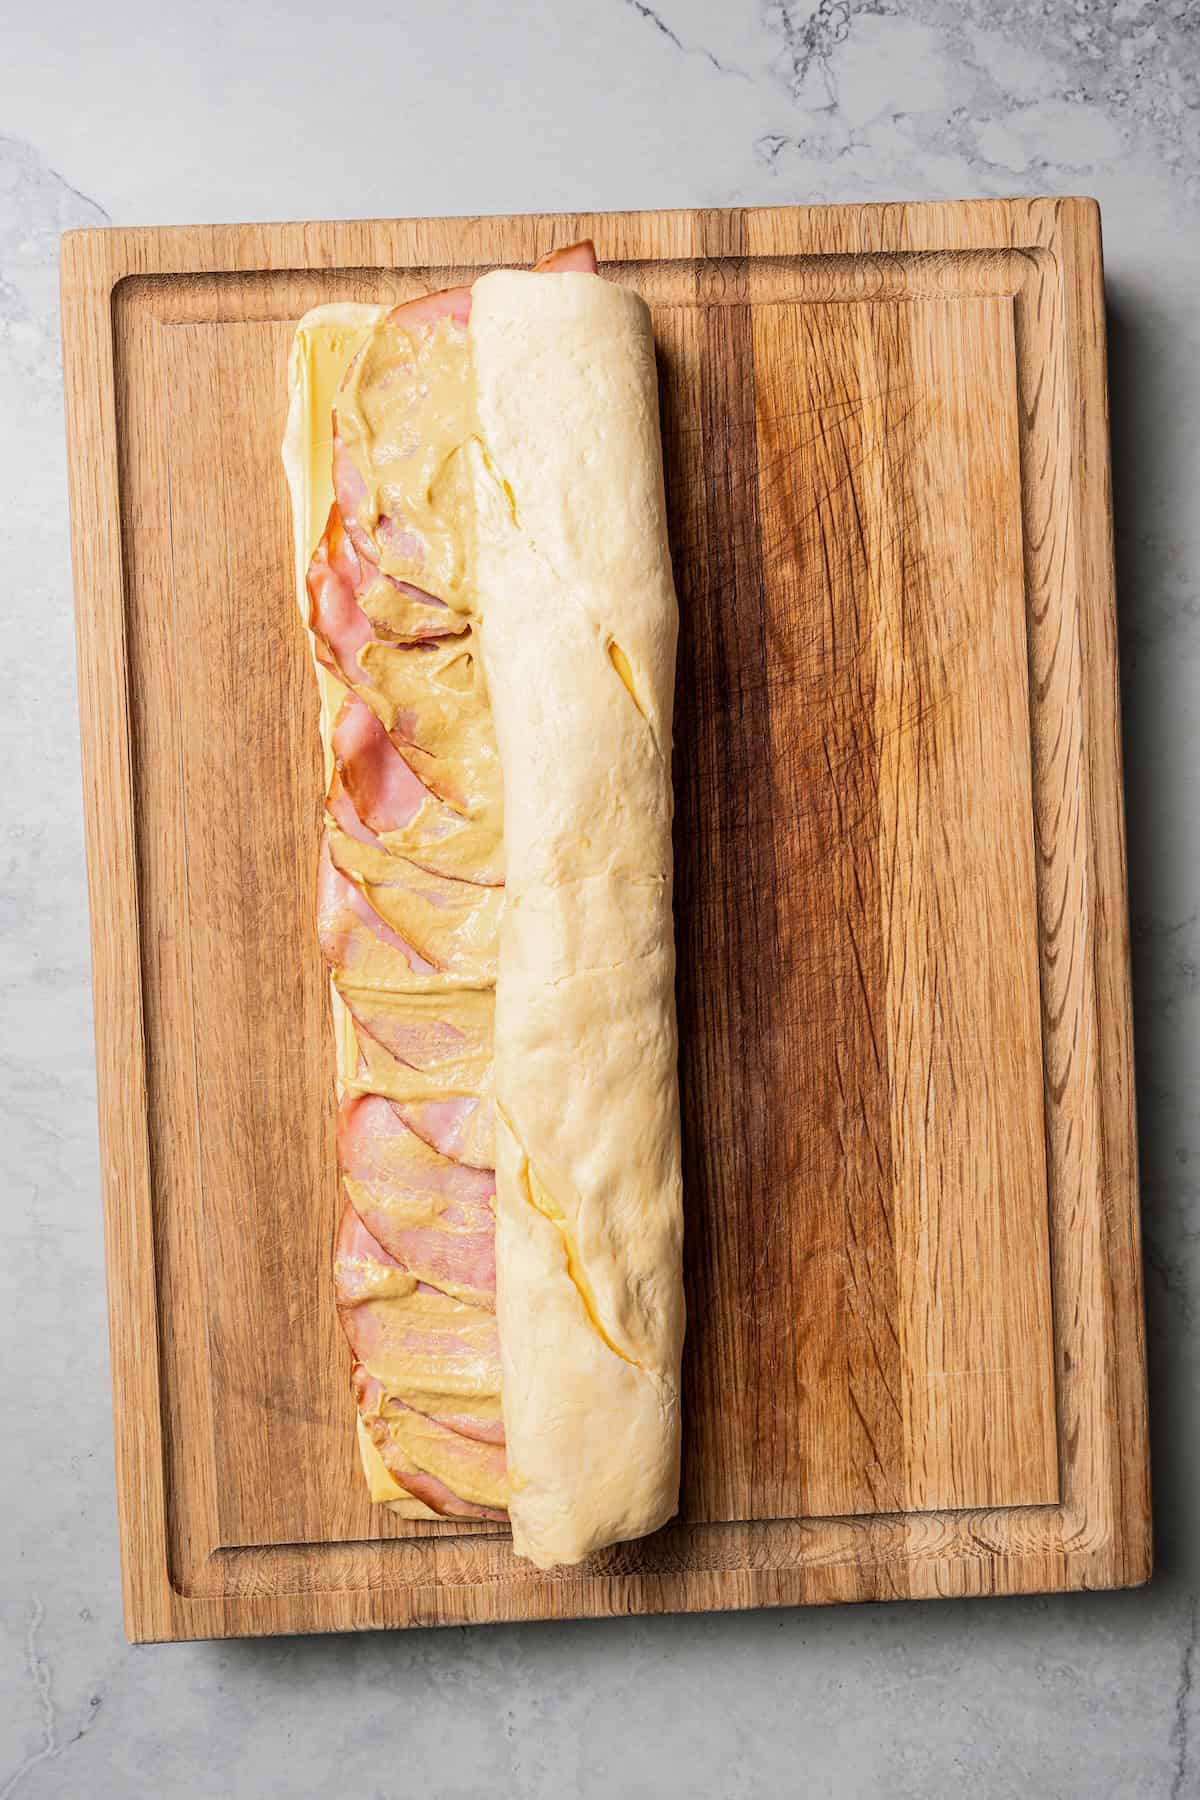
[(915, 1357)]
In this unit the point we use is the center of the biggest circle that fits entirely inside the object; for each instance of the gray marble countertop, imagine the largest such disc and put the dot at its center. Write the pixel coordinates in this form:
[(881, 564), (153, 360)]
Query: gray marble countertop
[(136, 112)]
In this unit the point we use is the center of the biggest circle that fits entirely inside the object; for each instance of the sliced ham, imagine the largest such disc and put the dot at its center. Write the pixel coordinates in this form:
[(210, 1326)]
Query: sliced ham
[(578, 257), (462, 1128), (383, 790), (376, 788), (445, 1039), (427, 309), (335, 618), (397, 1326), (440, 1352), (454, 1459), (340, 808), (385, 539), (357, 944), (420, 1454), (434, 1216), (432, 700), (340, 582), (451, 924), (362, 1268), (350, 497), (351, 600)]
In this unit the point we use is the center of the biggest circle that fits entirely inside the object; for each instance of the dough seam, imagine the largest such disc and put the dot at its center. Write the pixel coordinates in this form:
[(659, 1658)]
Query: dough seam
[(607, 642), (573, 1261)]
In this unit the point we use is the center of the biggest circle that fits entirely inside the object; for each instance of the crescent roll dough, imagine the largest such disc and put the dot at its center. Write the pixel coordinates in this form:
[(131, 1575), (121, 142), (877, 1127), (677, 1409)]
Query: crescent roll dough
[(578, 624)]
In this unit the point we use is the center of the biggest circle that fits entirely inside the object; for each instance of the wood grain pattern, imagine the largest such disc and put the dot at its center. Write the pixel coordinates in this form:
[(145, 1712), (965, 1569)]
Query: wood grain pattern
[(915, 1357)]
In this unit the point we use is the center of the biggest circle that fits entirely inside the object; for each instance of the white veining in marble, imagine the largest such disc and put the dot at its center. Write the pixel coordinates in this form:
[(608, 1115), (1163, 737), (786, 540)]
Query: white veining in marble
[(140, 113)]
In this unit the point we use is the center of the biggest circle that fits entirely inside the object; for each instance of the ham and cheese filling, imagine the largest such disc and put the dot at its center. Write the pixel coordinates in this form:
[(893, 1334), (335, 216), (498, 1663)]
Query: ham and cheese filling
[(410, 890)]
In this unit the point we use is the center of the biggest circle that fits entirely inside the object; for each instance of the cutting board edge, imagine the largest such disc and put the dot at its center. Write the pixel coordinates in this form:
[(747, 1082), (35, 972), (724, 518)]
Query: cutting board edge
[(93, 264)]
